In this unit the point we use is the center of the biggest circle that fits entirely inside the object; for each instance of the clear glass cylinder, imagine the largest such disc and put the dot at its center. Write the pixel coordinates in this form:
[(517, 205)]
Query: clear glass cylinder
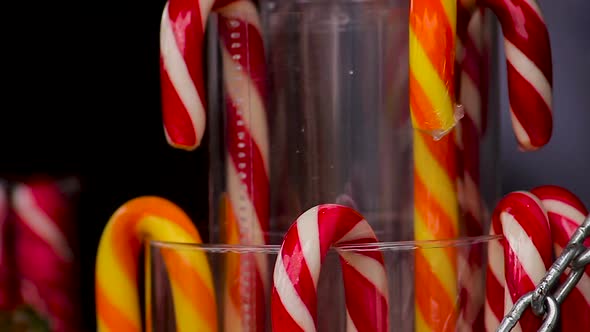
[(308, 104), (406, 285)]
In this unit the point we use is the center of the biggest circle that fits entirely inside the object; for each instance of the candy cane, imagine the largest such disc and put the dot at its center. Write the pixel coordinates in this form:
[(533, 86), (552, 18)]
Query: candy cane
[(435, 218), (117, 300), (247, 171), (298, 264), (469, 61), (517, 262), (44, 233), (528, 62), (432, 52), (566, 213)]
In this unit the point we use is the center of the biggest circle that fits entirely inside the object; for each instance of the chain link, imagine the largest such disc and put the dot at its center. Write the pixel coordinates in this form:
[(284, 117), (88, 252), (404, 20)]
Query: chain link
[(576, 257)]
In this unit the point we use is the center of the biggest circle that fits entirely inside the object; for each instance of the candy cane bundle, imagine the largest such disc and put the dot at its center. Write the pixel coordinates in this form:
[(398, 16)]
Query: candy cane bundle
[(297, 269), (533, 224), (44, 234), (117, 299)]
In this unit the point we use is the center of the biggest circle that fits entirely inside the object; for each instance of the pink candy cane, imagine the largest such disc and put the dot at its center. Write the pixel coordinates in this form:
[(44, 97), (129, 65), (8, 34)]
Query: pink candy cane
[(297, 270), (566, 213), (44, 233), (526, 254)]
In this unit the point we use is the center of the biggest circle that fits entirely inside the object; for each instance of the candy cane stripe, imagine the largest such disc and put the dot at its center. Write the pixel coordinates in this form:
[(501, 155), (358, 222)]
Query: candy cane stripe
[(290, 298), (529, 71), (527, 256), (307, 227), (371, 269)]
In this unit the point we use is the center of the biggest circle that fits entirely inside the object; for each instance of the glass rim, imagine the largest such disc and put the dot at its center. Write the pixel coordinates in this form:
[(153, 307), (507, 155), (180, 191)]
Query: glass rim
[(407, 245)]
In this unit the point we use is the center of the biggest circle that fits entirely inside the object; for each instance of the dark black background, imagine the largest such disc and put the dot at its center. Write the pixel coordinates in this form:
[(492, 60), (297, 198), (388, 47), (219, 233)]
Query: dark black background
[(81, 96)]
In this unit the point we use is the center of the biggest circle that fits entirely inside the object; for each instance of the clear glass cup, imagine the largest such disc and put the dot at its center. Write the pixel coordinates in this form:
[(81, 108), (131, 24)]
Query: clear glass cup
[(326, 86), (308, 104), (407, 285)]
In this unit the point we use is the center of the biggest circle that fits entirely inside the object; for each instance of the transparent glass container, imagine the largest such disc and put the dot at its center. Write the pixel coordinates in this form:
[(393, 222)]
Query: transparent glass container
[(308, 104), (407, 287)]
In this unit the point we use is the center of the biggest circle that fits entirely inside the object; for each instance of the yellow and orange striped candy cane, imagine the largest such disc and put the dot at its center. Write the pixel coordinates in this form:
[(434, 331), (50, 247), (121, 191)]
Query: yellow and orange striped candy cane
[(117, 298), (432, 58), (432, 53), (435, 218)]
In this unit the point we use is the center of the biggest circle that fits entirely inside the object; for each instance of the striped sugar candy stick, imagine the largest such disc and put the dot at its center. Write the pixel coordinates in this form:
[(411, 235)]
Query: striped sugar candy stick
[(517, 262), (247, 170), (468, 135), (297, 270), (45, 234), (432, 58), (566, 213), (116, 288)]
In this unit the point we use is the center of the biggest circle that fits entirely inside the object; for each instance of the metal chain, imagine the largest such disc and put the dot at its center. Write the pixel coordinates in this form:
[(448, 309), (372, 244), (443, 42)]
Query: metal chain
[(544, 304)]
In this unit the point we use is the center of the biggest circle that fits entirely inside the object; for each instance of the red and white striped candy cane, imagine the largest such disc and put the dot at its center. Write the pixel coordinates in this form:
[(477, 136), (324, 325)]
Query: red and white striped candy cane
[(247, 167), (566, 213), (44, 232), (517, 262), (528, 62), (182, 32), (297, 270), (181, 60), (469, 60)]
